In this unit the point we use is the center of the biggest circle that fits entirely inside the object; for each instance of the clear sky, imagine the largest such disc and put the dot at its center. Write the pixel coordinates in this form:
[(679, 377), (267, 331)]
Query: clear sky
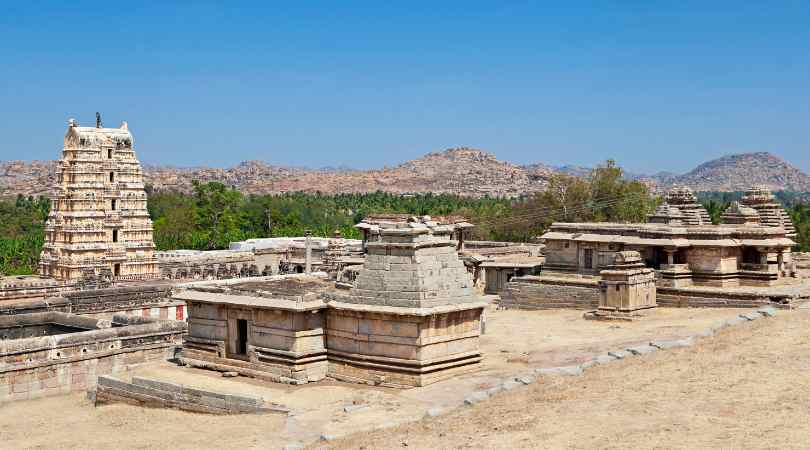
[(654, 84)]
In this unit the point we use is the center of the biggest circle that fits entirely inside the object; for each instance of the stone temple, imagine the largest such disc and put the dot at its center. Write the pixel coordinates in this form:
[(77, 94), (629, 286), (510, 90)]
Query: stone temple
[(99, 225)]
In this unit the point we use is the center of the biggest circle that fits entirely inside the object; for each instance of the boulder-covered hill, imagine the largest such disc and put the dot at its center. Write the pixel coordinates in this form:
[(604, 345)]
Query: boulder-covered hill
[(462, 171), (739, 172)]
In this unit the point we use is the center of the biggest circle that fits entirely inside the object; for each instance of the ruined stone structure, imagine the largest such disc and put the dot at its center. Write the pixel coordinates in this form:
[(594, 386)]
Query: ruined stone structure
[(410, 319), (28, 286), (98, 220), (771, 213), (682, 198), (151, 393), (53, 353), (271, 328), (739, 252), (209, 265), (627, 288), (737, 214), (370, 225)]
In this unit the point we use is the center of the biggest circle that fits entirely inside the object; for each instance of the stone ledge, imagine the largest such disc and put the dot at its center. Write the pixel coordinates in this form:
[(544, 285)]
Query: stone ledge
[(160, 394)]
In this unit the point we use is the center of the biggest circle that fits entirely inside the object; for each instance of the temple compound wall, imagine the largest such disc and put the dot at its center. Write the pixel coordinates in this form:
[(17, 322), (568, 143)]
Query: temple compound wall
[(152, 300), (98, 224), (29, 286), (411, 318), (53, 353)]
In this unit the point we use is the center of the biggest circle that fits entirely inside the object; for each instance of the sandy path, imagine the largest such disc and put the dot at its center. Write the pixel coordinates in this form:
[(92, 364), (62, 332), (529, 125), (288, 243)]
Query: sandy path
[(746, 388)]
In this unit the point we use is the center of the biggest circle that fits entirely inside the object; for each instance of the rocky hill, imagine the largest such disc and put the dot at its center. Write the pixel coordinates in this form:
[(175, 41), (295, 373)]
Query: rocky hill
[(462, 171), (738, 172)]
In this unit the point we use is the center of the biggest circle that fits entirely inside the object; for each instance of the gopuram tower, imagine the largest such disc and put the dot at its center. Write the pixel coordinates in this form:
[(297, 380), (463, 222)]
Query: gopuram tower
[(98, 225)]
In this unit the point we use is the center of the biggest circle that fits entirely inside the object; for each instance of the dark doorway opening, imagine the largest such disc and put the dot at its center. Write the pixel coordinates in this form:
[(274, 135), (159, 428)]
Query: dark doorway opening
[(241, 336), (588, 257), (117, 270)]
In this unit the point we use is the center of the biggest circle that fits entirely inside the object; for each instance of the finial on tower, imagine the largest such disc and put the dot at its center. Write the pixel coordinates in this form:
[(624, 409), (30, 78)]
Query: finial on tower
[(98, 120), (124, 125), (72, 123)]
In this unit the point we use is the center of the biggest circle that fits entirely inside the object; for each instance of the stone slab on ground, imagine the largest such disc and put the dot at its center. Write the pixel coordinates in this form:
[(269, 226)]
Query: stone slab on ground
[(753, 315), (675, 343), (619, 354), (560, 371), (640, 350), (767, 311)]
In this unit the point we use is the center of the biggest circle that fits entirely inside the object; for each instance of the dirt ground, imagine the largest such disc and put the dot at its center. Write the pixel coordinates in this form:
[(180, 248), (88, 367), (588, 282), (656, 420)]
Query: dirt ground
[(746, 388), (729, 391)]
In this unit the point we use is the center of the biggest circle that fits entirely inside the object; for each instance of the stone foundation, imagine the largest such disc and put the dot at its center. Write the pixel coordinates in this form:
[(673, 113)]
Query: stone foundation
[(535, 292), (160, 394), (398, 347), (39, 366)]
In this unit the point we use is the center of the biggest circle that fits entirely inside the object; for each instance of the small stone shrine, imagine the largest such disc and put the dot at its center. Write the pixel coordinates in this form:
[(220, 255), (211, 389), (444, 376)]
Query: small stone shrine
[(627, 288), (412, 317)]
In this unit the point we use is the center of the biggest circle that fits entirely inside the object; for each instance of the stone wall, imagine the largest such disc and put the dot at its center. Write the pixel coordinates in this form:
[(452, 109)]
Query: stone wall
[(160, 394), (145, 300), (22, 287), (696, 298), (401, 350), (49, 365), (287, 346), (535, 292)]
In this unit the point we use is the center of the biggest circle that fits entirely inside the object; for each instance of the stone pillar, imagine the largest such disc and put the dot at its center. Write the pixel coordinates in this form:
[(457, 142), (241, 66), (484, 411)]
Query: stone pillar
[(763, 257), (308, 253), (780, 261), (670, 256)]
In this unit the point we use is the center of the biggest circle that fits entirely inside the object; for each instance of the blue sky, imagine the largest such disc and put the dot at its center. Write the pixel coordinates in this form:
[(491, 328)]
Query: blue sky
[(655, 85)]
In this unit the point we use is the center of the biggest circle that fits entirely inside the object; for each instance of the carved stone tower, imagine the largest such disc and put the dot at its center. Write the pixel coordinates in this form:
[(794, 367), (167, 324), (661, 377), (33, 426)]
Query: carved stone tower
[(98, 225)]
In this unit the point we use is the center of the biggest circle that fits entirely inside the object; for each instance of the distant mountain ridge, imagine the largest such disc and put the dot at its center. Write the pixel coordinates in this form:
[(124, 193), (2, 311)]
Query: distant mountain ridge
[(739, 172), (462, 171)]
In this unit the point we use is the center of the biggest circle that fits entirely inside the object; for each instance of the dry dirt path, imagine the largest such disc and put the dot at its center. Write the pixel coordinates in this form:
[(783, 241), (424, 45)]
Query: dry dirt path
[(748, 387)]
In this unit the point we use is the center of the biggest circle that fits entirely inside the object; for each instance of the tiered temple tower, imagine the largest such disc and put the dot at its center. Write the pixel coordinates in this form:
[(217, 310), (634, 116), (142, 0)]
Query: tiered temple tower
[(771, 213), (98, 225), (684, 199)]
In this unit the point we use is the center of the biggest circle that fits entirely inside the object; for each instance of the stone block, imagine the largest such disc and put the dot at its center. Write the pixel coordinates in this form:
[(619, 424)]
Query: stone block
[(560, 371), (508, 385), (527, 378), (669, 344), (640, 350), (604, 359), (768, 311), (619, 354), (753, 315)]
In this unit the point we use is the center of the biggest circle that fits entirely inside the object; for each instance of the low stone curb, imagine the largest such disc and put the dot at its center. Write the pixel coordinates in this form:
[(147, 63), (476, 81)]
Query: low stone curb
[(476, 397), (619, 354), (642, 350), (678, 343), (570, 371)]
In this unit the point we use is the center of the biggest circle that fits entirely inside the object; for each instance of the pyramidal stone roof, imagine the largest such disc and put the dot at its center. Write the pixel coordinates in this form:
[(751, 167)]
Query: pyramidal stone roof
[(738, 214), (684, 199), (413, 265), (666, 214), (771, 213)]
